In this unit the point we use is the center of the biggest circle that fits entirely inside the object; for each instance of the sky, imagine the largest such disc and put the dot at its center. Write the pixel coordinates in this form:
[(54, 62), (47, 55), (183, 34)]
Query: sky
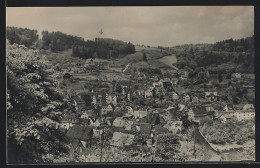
[(161, 25)]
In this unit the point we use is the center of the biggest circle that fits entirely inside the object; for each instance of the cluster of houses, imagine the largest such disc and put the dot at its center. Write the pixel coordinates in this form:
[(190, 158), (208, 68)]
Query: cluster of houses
[(138, 125)]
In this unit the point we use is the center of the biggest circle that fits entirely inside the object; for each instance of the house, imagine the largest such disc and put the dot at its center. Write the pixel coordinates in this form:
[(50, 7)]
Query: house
[(184, 75), (81, 137), (175, 96), (158, 84), (140, 114), (175, 81), (236, 76), (174, 126), (153, 118), (144, 129), (94, 122), (128, 125), (119, 122), (228, 107), (130, 110), (85, 115), (198, 110), (223, 119), (120, 139), (239, 115), (190, 114), (167, 84), (244, 115), (108, 99), (128, 96), (114, 100), (68, 121), (248, 107), (181, 107), (109, 121), (108, 108), (148, 92), (210, 109), (79, 103), (195, 99), (212, 96), (158, 130), (94, 100), (167, 113), (187, 98)]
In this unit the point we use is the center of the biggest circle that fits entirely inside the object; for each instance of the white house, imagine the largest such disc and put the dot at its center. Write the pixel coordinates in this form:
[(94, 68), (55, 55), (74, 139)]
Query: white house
[(140, 113), (114, 100), (175, 96), (187, 98), (248, 107), (236, 75), (190, 115), (222, 119), (228, 107), (94, 100), (130, 110)]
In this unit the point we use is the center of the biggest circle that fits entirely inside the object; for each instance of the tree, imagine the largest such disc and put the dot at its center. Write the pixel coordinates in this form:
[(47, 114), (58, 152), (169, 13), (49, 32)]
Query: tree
[(144, 57), (32, 135), (118, 88), (87, 98)]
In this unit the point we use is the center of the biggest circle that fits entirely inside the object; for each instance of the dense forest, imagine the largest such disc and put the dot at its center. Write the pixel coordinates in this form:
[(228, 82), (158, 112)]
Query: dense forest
[(58, 41), (22, 36), (237, 53), (103, 48)]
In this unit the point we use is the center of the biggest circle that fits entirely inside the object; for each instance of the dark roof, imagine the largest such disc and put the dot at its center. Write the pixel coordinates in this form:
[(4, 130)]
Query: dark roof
[(160, 129), (70, 117), (153, 118), (79, 132), (145, 128), (199, 110)]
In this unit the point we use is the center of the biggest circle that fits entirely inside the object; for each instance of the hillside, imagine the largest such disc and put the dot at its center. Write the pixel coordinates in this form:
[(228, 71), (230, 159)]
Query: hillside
[(237, 55)]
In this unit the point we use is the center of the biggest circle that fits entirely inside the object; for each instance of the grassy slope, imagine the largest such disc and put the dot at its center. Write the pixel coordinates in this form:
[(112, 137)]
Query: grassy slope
[(153, 54), (64, 59)]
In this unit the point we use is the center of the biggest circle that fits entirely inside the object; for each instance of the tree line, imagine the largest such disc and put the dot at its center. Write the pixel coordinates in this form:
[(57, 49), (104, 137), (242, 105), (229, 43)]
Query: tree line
[(58, 41), (22, 36), (239, 52), (103, 48)]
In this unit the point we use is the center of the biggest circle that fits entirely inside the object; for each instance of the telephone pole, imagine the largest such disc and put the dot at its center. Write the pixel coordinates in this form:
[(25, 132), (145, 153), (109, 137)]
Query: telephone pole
[(194, 140), (101, 139)]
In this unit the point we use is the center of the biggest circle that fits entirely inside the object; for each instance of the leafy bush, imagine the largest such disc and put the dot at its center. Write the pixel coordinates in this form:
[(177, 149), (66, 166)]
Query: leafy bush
[(232, 131)]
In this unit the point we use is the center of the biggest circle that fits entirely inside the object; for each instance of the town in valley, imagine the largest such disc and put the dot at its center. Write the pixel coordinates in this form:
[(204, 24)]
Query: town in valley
[(106, 100)]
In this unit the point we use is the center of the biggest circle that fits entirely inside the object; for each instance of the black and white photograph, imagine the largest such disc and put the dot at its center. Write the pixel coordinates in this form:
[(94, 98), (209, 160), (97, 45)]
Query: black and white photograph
[(128, 84)]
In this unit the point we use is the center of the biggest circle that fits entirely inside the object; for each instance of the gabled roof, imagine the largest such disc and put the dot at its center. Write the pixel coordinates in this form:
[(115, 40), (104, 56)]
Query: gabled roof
[(209, 108), (79, 132), (230, 106), (160, 129), (145, 128), (70, 117), (153, 118), (120, 139), (211, 93), (199, 110)]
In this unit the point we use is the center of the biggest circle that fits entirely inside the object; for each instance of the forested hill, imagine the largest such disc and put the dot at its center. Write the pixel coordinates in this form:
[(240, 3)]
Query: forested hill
[(103, 48), (58, 41), (227, 55)]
